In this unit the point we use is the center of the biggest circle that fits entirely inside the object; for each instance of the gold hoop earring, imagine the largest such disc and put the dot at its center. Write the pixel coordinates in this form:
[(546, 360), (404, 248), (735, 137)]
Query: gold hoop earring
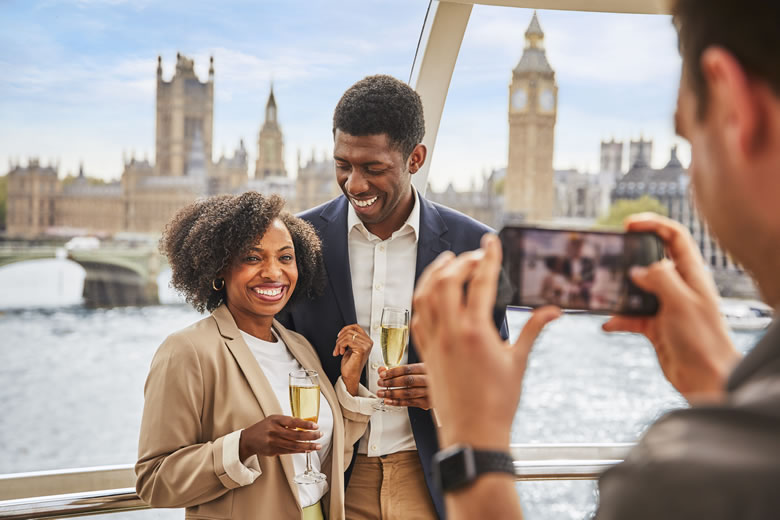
[(214, 284)]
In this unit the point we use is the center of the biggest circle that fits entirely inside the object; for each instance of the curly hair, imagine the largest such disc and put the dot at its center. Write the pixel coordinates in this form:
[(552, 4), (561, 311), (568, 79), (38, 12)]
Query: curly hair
[(205, 237), (381, 104)]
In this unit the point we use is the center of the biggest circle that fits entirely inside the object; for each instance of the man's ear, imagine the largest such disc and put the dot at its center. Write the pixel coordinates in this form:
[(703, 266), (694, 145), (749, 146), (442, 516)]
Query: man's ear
[(734, 100), (417, 158)]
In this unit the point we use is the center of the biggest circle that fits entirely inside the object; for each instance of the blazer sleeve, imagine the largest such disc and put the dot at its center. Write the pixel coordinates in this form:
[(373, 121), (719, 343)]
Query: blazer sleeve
[(357, 411), (175, 467)]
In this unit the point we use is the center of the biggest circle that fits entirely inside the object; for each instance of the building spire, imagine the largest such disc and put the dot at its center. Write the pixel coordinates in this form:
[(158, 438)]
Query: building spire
[(534, 58), (270, 107), (211, 68), (534, 34)]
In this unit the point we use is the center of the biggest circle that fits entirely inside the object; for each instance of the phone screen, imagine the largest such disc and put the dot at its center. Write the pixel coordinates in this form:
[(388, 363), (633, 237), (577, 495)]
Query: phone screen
[(585, 270)]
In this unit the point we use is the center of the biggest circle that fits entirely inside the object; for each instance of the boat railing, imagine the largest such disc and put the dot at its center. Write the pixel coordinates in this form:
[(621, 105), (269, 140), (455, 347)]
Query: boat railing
[(110, 489)]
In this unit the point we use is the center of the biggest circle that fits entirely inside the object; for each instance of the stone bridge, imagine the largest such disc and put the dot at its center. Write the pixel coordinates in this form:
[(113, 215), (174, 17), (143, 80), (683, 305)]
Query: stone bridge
[(115, 275)]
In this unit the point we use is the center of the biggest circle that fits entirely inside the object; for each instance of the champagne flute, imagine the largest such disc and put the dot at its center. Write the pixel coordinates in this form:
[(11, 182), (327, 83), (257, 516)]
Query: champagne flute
[(394, 338), (305, 404)]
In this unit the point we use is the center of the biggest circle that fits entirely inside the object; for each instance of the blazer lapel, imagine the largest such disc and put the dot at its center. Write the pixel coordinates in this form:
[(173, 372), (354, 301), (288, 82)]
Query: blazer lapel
[(429, 245), (336, 254), (259, 384)]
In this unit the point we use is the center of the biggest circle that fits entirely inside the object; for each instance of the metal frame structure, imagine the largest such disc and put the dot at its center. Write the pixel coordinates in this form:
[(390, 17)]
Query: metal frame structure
[(442, 35), (109, 489)]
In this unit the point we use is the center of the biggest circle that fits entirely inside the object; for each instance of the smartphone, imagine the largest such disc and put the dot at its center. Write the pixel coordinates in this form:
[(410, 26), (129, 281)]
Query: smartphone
[(582, 270)]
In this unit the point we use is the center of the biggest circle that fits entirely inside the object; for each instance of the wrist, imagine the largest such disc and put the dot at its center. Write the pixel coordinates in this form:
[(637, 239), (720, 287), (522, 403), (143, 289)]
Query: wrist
[(244, 452), (480, 435), (351, 383)]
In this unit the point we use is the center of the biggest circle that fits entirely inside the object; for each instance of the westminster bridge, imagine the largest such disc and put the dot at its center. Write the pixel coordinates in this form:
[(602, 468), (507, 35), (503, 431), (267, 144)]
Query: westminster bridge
[(116, 274)]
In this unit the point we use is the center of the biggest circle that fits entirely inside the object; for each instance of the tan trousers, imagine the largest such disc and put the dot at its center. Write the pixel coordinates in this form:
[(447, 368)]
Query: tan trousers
[(389, 488)]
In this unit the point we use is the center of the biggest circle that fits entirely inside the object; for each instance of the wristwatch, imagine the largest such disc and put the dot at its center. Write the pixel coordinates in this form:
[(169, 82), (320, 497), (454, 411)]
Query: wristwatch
[(460, 465)]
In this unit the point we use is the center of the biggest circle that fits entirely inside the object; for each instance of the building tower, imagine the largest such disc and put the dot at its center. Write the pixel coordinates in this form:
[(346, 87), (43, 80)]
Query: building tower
[(611, 157), (640, 153), (270, 144), (184, 104), (533, 101)]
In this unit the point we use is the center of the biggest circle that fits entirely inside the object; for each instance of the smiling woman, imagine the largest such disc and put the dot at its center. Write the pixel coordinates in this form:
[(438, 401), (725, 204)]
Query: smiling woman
[(216, 405)]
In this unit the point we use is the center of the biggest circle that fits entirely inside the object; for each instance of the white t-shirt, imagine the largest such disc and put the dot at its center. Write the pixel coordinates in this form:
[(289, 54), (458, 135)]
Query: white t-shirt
[(277, 362)]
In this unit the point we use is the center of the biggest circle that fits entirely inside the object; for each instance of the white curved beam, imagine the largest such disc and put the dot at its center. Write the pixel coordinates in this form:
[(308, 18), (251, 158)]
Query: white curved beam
[(607, 6), (442, 36)]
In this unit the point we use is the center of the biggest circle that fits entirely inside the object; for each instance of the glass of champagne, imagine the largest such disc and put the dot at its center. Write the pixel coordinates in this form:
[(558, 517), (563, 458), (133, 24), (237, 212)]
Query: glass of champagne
[(395, 337), (305, 404)]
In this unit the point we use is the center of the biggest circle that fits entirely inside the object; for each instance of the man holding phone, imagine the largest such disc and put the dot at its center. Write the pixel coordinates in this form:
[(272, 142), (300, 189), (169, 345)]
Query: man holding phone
[(721, 457)]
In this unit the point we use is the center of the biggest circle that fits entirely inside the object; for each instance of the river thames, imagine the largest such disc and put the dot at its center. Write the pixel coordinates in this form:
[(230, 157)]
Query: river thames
[(72, 391)]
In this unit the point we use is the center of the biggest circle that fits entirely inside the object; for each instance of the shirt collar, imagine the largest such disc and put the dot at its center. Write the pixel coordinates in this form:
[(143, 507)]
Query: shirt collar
[(412, 221)]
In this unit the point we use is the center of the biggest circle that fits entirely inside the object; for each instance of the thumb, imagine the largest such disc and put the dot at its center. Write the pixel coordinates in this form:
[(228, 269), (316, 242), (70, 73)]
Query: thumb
[(539, 318), (661, 279)]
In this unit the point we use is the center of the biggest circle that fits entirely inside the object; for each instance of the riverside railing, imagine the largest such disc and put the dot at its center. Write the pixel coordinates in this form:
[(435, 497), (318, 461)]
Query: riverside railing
[(110, 489)]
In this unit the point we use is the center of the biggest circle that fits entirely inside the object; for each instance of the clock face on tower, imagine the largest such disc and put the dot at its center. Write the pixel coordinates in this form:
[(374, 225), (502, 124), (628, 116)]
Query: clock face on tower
[(547, 100), (519, 99)]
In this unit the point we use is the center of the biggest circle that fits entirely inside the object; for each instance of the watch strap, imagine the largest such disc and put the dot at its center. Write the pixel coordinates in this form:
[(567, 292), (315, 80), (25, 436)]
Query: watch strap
[(459, 465)]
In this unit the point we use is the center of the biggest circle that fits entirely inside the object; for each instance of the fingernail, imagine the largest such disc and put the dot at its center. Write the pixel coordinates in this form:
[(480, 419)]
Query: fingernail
[(380, 393), (637, 271)]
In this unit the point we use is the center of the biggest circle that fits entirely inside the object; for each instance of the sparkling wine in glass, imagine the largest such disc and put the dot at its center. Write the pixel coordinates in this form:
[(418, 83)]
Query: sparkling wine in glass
[(394, 338), (305, 404)]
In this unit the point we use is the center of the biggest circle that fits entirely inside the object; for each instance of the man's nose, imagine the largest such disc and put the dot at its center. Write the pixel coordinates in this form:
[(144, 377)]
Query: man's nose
[(356, 183)]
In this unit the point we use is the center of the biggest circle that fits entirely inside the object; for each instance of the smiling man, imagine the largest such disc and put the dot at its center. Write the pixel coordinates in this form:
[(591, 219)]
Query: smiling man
[(377, 238)]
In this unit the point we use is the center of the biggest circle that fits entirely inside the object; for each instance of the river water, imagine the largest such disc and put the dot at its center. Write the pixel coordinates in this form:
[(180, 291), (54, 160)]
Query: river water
[(72, 391)]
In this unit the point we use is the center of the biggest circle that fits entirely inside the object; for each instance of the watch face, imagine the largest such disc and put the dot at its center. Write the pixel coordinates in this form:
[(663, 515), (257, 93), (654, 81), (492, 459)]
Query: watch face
[(454, 467), (519, 99), (547, 100)]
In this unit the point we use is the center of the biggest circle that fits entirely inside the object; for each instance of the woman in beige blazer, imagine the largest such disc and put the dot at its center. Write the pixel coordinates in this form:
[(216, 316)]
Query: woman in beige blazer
[(216, 435)]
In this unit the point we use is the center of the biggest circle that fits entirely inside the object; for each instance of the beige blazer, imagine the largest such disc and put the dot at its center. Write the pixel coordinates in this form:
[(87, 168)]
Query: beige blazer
[(205, 383)]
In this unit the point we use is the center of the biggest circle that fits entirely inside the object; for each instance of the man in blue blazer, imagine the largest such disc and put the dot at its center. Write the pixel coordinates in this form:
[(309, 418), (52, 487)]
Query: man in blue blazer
[(377, 238)]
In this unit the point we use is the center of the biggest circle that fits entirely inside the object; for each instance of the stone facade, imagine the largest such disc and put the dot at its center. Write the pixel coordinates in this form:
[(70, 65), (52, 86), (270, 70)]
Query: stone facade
[(185, 106), (533, 99), (32, 195), (315, 183), (270, 144)]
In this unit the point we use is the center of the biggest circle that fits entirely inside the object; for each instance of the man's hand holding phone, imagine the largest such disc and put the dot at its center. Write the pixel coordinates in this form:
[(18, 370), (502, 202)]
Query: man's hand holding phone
[(688, 332)]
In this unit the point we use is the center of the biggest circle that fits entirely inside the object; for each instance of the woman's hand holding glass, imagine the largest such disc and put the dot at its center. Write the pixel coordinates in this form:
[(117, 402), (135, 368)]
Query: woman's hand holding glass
[(279, 435), (354, 345)]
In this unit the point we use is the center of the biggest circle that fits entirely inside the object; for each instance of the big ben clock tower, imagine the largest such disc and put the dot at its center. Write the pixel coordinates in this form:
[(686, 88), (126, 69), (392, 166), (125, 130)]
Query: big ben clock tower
[(533, 100)]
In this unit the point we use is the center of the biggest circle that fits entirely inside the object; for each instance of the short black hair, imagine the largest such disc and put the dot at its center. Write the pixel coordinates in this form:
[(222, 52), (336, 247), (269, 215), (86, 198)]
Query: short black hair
[(382, 104), (204, 238), (746, 28)]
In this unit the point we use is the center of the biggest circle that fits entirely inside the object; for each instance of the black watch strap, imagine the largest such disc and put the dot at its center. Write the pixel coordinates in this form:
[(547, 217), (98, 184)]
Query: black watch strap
[(459, 465)]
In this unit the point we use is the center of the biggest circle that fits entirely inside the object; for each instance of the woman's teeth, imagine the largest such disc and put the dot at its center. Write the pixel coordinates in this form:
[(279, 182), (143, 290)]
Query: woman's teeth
[(269, 292), (364, 203)]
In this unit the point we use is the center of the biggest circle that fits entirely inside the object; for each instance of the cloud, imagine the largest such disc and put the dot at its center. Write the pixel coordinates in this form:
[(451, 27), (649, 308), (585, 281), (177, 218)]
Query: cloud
[(584, 47)]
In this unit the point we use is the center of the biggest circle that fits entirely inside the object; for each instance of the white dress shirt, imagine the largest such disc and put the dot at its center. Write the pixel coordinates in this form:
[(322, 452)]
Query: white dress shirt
[(383, 276), (277, 362)]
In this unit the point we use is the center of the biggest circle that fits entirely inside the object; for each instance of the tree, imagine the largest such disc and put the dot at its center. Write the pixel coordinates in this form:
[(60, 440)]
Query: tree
[(622, 208), (3, 197)]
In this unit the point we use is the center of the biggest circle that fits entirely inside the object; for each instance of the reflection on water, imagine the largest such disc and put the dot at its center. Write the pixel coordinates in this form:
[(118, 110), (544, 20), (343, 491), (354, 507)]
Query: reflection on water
[(49, 282), (58, 282), (72, 391)]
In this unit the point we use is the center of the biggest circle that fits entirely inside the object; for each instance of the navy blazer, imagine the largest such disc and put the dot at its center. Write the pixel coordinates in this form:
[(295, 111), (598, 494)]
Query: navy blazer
[(320, 320)]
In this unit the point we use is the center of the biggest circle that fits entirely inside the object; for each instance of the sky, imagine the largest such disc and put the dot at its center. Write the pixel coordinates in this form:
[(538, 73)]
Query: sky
[(78, 82)]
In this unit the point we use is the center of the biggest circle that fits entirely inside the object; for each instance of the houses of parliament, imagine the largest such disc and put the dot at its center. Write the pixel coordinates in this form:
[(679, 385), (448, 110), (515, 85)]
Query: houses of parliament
[(40, 203)]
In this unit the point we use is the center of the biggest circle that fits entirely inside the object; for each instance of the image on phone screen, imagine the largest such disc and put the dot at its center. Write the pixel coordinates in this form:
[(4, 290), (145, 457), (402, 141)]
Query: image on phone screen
[(579, 269)]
